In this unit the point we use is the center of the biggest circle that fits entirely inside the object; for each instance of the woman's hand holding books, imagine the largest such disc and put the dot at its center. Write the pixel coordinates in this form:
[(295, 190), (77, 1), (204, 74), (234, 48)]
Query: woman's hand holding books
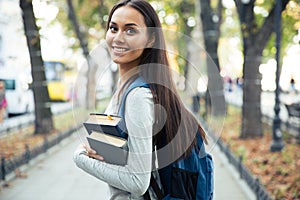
[(90, 152)]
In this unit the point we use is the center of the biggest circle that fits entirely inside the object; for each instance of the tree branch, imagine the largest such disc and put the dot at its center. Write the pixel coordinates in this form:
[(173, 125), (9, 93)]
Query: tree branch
[(264, 33)]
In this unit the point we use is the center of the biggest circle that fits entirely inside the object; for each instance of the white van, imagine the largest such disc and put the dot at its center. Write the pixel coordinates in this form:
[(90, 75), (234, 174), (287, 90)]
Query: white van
[(18, 95)]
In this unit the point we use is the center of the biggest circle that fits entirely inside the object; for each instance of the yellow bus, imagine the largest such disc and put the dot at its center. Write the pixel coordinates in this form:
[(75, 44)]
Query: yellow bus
[(58, 89)]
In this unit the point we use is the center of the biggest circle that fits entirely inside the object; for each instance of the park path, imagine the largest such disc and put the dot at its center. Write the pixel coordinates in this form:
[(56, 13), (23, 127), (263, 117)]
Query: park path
[(54, 176)]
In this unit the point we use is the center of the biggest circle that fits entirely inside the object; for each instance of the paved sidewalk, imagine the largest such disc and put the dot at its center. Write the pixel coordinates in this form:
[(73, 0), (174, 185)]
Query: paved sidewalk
[(53, 176), (228, 185)]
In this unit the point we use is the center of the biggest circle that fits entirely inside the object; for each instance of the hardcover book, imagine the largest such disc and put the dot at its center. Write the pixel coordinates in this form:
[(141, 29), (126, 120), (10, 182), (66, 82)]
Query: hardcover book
[(104, 138), (103, 123)]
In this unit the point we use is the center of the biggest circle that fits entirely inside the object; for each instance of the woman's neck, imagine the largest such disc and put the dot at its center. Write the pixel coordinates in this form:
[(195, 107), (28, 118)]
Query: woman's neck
[(126, 72), (128, 68)]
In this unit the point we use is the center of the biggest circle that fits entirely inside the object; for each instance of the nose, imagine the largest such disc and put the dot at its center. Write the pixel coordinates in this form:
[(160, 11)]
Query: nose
[(119, 37)]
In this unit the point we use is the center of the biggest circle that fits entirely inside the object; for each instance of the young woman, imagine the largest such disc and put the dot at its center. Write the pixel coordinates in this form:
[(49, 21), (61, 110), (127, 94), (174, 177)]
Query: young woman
[(153, 115)]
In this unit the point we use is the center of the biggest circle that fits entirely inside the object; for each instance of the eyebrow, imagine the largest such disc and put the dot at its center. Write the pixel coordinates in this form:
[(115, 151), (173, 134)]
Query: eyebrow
[(129, 24)]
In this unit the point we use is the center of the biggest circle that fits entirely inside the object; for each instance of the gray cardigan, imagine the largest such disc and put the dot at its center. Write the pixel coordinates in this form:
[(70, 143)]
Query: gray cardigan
[(132, 180)]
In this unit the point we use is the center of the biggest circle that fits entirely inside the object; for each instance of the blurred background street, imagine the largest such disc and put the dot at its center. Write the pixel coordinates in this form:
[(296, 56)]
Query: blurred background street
[(235, 63)]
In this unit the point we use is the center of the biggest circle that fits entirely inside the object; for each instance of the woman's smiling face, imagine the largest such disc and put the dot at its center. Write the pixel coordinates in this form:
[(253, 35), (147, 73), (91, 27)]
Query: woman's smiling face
[(127, 37)]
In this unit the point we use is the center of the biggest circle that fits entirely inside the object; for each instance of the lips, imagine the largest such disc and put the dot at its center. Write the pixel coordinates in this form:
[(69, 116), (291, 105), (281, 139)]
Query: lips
[(119, 50)]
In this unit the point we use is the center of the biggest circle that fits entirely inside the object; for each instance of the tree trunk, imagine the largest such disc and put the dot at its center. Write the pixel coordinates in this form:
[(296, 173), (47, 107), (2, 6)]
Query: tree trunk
[(114, 73), (251, 109), (215, 101), (43, 115), (91, 69), (185, 10), (254, 42)]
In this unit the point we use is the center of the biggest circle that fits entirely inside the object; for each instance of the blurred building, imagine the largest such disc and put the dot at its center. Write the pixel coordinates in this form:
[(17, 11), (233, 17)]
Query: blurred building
[(13, 47)]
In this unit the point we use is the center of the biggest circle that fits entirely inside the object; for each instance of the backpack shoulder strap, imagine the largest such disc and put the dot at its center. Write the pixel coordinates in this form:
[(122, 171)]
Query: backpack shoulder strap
[(138, 82)]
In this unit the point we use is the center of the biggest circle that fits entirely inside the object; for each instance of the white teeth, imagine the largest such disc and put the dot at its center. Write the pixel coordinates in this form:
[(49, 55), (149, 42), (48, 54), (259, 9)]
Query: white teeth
[(119, 49)]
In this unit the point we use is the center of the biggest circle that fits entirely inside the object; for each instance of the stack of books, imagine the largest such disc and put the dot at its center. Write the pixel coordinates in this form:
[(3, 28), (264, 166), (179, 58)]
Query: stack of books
[(105, 138)]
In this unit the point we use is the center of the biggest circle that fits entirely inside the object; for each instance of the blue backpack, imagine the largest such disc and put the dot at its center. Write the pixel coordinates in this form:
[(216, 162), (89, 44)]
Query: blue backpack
[(189, 178)]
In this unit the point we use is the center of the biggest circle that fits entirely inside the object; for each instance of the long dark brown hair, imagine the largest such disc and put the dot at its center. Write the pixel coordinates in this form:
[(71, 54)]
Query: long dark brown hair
[(156, 71)]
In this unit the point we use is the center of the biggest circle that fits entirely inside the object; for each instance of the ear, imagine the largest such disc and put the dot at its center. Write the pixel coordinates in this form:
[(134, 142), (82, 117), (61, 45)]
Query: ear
[(151, 41)]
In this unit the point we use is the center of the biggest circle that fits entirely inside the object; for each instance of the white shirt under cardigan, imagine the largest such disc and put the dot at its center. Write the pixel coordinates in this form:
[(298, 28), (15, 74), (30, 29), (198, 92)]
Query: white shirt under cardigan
[(132, 180)]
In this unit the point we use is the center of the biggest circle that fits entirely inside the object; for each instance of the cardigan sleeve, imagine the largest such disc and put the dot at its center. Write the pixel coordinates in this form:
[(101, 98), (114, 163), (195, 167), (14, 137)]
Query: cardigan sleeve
[(135, 176)]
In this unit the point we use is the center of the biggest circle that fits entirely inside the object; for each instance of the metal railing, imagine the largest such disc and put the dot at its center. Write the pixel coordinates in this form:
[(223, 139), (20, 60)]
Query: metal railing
[(16, 123), (22, 121), (252, 181), (10, 165), (292, 128)]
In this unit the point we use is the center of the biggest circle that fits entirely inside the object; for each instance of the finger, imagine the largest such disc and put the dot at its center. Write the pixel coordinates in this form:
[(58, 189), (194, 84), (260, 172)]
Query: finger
[(96, 156), (91, 151)]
